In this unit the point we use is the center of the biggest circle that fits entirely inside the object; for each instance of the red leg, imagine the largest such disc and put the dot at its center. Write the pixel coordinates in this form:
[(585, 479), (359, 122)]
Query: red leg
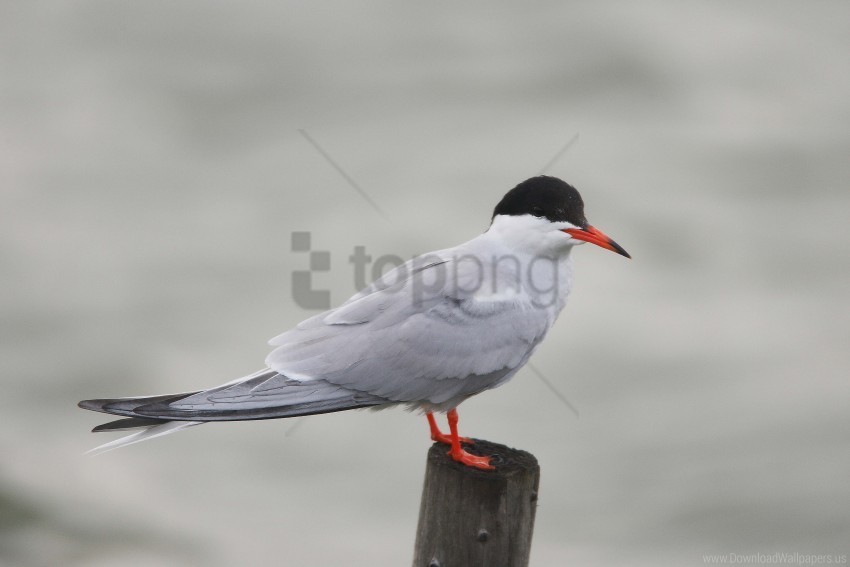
[(461, 456), (437, 435)]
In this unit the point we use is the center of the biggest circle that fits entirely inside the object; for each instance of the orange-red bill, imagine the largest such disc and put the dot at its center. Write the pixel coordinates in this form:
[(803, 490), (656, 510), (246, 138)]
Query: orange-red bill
[(596, 236)]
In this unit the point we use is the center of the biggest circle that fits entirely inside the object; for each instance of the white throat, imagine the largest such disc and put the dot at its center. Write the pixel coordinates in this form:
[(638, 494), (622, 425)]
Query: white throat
[(522, 258), (536, 236)]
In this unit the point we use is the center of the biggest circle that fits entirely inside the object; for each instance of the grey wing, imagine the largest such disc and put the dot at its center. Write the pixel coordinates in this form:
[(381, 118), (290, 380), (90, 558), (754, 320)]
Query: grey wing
[(263, 395), (415, 336)]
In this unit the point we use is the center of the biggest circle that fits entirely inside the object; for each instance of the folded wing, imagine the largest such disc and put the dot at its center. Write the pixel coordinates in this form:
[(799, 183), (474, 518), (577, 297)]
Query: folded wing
[(425, 333)]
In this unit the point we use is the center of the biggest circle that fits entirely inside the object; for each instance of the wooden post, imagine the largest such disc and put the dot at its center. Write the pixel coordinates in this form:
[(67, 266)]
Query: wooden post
[(475, 518)]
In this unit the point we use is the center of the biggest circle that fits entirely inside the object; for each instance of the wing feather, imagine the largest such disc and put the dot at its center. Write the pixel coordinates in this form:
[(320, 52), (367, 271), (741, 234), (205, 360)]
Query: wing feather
[(409, 336)]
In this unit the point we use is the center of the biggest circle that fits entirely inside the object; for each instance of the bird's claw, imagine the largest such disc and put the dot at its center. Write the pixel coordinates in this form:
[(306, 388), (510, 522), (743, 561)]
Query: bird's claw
[(470, 460)]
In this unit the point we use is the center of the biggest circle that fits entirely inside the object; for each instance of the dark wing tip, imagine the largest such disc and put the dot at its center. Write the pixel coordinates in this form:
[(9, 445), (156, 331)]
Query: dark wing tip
[(128, 406), (93, 405)]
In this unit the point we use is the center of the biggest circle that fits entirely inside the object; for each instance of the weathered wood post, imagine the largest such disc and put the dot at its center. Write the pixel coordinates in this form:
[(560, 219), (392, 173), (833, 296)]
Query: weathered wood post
[(475, 518)]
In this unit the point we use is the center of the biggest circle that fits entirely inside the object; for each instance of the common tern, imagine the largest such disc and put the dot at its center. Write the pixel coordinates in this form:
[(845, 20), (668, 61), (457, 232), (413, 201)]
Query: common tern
[(427, 335)]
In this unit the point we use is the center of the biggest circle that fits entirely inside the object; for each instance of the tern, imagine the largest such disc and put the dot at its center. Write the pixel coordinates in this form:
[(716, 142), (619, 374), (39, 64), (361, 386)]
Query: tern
[(427, 335)]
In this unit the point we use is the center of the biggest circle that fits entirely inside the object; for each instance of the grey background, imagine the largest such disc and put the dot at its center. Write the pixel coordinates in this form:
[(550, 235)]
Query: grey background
[(151, 173)]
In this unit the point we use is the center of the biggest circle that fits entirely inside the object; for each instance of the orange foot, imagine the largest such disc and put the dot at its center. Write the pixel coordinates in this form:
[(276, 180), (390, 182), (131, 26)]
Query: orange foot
[(470, 460), (454, 440), (440, 437)]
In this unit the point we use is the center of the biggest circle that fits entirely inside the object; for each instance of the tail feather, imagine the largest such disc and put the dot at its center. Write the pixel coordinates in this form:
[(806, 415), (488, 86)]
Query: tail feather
[(151, 432), (126, 423)]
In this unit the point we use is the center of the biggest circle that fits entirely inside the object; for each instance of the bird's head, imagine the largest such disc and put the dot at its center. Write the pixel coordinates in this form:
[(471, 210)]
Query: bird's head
[(546, 215)]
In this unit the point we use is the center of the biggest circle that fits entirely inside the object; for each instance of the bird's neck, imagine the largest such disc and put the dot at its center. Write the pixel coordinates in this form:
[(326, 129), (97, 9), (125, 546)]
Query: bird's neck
[(513, 272)]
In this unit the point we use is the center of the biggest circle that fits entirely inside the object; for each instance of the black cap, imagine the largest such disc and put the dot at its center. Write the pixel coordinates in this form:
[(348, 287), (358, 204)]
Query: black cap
[(544, 196)]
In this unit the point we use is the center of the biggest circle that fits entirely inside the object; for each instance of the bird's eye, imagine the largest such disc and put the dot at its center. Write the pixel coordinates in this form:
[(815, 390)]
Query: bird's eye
[(537, 211)]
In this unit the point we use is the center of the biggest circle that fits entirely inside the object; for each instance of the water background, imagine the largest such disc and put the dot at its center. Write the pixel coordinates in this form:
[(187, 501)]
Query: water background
[(152, 172)]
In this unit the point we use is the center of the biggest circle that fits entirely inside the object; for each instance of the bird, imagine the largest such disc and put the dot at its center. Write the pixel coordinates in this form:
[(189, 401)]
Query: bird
[(427, 335)]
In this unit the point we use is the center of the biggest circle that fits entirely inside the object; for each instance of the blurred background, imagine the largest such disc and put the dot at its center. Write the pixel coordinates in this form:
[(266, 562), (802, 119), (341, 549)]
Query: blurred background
[(153, 169)]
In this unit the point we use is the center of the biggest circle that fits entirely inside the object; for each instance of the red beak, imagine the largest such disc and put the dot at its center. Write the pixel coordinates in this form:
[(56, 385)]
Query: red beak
[(596, 236)]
